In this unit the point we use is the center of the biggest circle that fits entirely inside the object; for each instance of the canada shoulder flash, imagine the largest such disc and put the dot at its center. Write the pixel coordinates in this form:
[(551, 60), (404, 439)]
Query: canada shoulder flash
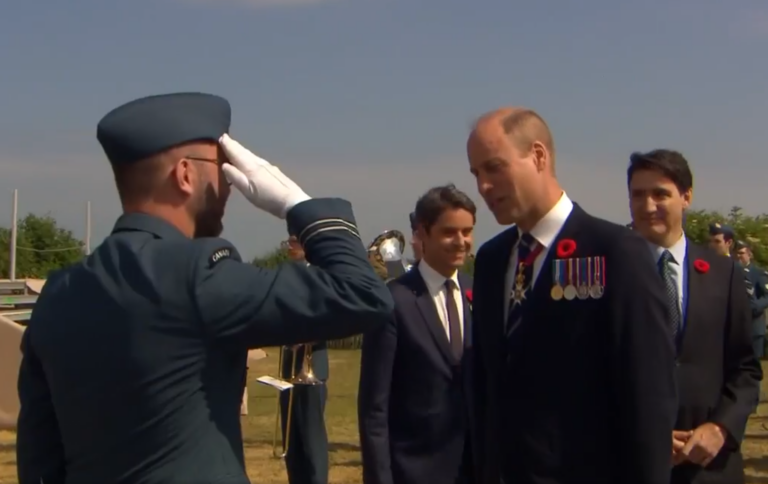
[(219, 255)]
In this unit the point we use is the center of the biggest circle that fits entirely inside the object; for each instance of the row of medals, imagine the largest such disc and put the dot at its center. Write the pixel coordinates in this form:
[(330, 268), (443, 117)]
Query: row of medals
[(582, 291)]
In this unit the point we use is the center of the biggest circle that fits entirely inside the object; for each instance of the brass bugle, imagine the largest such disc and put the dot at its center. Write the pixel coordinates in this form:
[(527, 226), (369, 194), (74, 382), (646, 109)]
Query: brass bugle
[(304, 377)]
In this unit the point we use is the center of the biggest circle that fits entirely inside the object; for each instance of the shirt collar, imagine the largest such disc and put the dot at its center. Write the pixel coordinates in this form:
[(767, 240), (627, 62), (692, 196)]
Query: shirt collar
[(678, 250), (434, 280), (143, 222), (545, 231)]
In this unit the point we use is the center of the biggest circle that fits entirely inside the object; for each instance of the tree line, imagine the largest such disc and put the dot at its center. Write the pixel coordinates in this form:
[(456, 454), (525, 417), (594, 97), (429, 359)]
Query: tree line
[(44, 246)]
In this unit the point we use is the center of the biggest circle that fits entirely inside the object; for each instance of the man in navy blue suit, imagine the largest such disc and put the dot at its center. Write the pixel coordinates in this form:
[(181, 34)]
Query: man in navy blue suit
[(414, 399), (575, 364), (718, 374)]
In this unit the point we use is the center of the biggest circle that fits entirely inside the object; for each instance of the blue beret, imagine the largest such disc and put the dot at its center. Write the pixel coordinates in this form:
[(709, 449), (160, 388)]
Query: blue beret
[(412, 216), (151, 125), (717, 229)]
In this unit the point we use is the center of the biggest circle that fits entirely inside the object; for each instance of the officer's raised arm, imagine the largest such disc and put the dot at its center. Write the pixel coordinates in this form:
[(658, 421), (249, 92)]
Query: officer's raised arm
[(339, 295)]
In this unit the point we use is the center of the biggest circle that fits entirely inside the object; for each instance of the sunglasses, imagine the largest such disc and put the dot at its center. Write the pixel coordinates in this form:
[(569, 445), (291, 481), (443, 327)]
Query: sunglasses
[(208, 160)]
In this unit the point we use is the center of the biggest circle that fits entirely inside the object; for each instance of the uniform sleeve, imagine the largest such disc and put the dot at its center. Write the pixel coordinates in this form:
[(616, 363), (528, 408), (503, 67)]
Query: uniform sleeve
[(643, 361), (377, 363), (761, 294), (39, 449), (337, 296), (742, 370)]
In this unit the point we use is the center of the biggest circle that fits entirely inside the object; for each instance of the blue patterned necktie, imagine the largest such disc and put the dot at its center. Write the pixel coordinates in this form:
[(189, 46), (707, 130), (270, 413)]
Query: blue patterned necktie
[(524, 248), (673, 300)]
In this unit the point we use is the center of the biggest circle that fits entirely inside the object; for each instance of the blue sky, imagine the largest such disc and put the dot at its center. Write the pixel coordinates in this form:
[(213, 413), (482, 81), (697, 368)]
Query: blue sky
[(372, 100)]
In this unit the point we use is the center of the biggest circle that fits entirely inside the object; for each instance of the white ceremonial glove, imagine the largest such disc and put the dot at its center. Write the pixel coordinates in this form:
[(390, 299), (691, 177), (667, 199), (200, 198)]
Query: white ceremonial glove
[(261, 182)]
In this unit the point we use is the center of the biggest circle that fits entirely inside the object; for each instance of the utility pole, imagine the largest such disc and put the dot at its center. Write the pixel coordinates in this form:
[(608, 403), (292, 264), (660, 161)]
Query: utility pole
[(88, 228), (14, 234)]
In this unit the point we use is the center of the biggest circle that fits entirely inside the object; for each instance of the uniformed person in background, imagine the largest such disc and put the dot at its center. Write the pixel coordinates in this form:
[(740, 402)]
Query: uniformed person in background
[(307, 457), (757, 288), (134, 359), (416, 245), (721, 238)]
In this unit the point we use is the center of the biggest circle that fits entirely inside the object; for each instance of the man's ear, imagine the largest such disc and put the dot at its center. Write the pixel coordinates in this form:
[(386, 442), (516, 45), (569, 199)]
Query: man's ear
[(541, 157), (184, 174), (687, 198)]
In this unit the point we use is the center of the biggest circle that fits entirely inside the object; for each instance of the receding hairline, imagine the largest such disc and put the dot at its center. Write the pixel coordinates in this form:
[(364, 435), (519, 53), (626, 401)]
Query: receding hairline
[(523, 126)]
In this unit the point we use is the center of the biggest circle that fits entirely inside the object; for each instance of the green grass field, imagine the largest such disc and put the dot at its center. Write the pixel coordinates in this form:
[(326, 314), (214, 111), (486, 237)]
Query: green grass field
[(341, 420)]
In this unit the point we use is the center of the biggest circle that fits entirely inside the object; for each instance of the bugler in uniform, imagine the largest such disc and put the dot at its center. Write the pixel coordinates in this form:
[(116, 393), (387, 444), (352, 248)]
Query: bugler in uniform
[(134, 358), (306, 459)]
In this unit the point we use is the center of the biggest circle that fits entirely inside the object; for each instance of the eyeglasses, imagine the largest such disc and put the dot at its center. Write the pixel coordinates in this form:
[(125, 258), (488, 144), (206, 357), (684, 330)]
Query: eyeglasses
[(208, 160)]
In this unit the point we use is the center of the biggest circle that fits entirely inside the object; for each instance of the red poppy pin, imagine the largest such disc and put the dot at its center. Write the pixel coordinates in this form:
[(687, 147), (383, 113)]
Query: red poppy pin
[(566, 248), (469, 295), (701, 266)]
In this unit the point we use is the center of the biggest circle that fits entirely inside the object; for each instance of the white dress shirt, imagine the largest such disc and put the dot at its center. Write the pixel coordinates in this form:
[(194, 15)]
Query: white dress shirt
[(436, 286), (545, 232), (676, 265)]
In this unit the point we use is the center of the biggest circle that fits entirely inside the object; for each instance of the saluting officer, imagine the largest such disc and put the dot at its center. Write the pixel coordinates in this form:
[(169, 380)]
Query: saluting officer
[(133, 366), (757, 288)]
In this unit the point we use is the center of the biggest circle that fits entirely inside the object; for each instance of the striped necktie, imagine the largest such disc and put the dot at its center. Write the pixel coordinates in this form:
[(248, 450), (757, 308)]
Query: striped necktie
[(673, 298)]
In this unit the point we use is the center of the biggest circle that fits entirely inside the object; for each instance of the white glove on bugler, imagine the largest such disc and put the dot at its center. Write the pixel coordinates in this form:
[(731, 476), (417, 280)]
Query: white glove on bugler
[(261, 182)]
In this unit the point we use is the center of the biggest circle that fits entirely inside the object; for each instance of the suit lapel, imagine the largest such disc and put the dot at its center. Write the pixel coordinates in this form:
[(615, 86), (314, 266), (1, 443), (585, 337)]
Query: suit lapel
[(466, 285), (426, 307), (498, 279), (695, 295), (542, 287)]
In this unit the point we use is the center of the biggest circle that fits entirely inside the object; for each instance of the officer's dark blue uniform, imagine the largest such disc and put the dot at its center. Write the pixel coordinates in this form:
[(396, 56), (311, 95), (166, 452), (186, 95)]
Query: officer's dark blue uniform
[(757, 287), (134, 359), (721, 238)]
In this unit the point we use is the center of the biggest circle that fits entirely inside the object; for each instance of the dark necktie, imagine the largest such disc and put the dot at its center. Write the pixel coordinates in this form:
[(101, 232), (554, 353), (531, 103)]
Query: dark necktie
[(454, 321), (673, 301), (524, 248)]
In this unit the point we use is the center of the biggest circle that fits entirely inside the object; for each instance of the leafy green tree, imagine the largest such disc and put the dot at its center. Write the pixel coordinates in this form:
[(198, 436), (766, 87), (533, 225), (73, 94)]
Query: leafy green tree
[(751, 229), (469, 265), (41, 247), (272, 259)]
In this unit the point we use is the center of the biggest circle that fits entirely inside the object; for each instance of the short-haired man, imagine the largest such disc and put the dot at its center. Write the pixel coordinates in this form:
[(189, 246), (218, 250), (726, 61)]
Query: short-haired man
[(576, 364), (718, 375), (415, 389), (721, 238), (134, 360)]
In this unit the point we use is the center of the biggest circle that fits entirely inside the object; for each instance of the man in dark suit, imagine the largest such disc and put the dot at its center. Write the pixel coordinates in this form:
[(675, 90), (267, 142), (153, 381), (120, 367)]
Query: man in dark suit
[(576, 363), (718, 375), (414, 398), (307, 458), (134, 360)]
